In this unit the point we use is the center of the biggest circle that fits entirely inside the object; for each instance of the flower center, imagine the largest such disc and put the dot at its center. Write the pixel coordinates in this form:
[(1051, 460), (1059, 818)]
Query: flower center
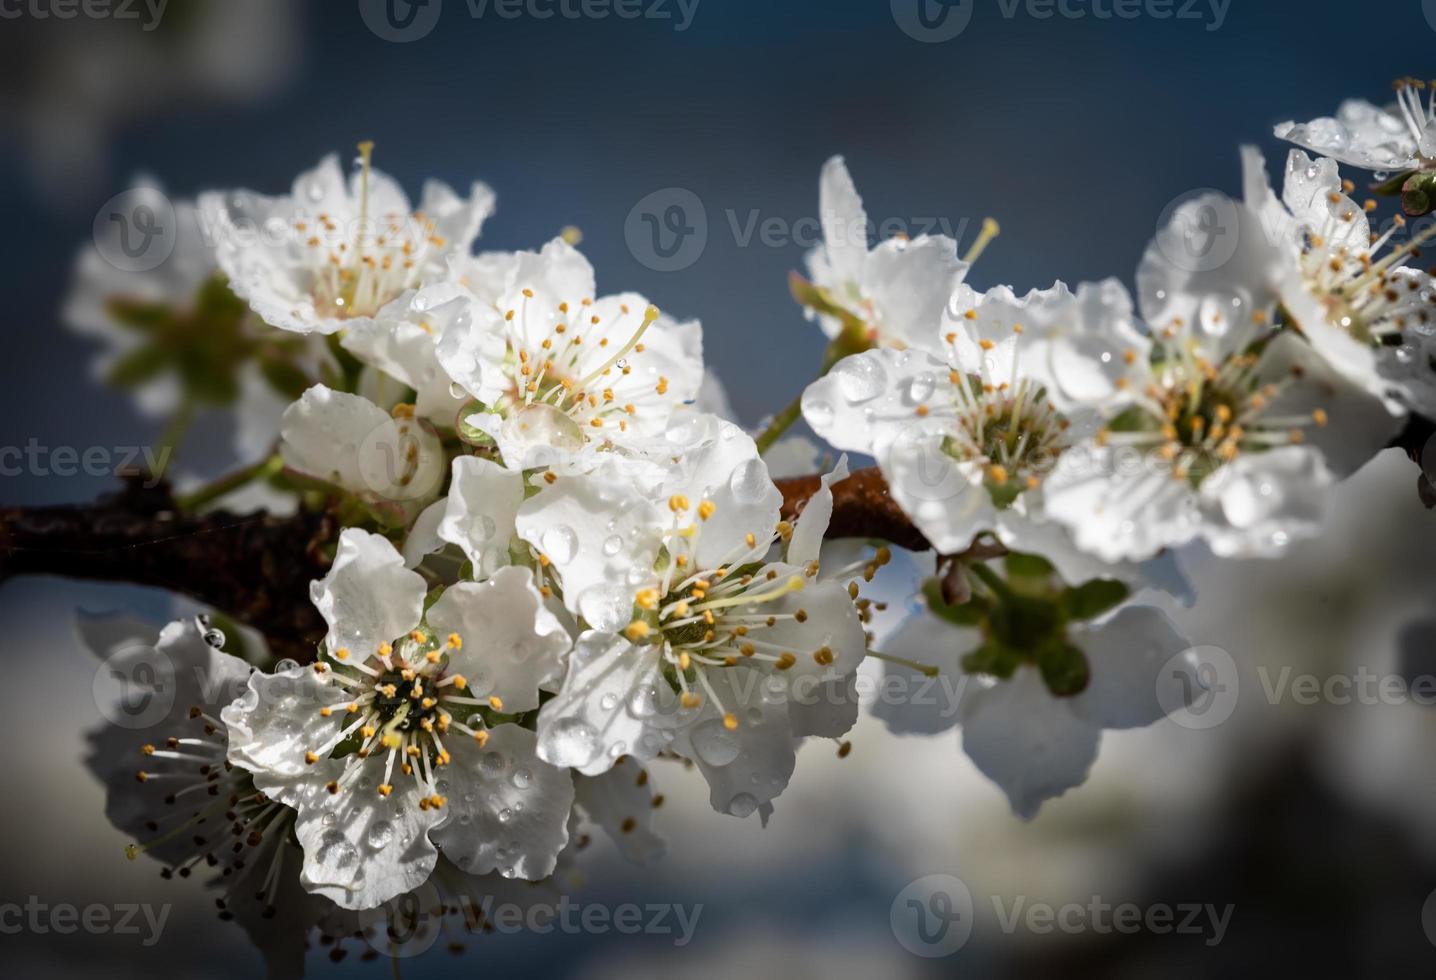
[(1007, 426), (1367, 297), (1196, 416), (1418, 117), (568, 361), (404, 701), (712, 619), (356, 270)]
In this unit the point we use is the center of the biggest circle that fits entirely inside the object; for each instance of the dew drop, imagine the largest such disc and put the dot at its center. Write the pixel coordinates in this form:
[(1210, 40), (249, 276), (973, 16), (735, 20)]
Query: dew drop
[(714, 743), (560, 543), (749, 481), (380, 834), (860, 379), (920, 388), (335, 853), (818, 412), (743, 805), (570, 742)]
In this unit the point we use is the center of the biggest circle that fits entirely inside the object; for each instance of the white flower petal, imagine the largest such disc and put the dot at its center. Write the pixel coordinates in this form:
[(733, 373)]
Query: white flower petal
[(423, 539), (1360, 134), (844, 251), (748, 766), (614, 701), (511, 644), (908, 284), (807, 540), (594, 530), (368, 597), (506, 809), (1126, 653), (1028, 742), (362, 849), (621, 801), (483, 504), (1120, 507), (911, 703), (1261, 502)]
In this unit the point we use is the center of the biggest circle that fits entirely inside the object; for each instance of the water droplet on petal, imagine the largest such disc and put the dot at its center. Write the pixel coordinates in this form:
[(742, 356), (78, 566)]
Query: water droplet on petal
[(749, 481), (714, 743), (570, 742), (335, 853), (380, 834), (560, 543), (743, 805), (860, 379)]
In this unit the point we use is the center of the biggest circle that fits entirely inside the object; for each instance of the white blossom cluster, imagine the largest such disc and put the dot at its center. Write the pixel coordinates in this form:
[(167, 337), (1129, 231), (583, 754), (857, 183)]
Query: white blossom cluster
[(557, 567)]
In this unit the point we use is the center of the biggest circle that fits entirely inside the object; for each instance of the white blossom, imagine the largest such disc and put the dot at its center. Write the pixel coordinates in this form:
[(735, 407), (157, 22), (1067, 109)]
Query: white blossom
[(401, 739)]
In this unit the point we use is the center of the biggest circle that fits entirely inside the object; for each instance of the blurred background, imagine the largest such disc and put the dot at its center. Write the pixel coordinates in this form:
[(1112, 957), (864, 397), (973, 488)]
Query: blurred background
[(1315, 823)]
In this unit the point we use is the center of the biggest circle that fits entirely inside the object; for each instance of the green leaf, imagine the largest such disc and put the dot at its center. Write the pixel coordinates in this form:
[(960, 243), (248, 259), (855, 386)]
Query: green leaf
[(1133, 419), (283, 376), (1064, 669), (1393, 185), (968, 614), (1418, 195), (139, 315), (1091, 599), (1028, 566), (139, 365), (994, 659)]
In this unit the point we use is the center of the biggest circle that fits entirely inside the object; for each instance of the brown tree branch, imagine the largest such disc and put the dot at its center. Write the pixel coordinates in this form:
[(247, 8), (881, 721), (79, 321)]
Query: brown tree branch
[(862, 508), (255, 568)]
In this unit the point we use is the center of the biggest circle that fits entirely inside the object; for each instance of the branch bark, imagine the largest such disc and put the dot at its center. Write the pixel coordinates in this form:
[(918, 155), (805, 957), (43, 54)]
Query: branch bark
[(257, 568)]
